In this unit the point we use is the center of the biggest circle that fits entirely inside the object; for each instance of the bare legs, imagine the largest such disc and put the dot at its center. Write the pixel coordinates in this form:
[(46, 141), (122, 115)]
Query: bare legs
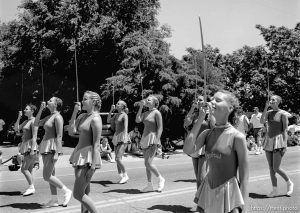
[(149, 154), (274, 161), (82, 189), (119, 151), (27, 170), (54, 182)]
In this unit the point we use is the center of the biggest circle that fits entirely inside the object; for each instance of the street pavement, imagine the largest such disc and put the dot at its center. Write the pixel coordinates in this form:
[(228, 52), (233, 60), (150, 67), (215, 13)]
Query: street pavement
[(177, 196)]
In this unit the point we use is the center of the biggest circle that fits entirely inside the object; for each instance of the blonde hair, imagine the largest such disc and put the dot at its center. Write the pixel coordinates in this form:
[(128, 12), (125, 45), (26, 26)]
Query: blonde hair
[(59, 104), (278, 99), (232, 99), (123, 104), (96, 99), (155, 100)]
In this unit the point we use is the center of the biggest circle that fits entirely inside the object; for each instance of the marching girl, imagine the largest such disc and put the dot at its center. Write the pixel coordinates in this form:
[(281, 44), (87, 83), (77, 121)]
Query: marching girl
[(51, 148), (198, 159), (150, 140), (226, 154), (120, 139), (86, 155), (28, 147), (275, 142)]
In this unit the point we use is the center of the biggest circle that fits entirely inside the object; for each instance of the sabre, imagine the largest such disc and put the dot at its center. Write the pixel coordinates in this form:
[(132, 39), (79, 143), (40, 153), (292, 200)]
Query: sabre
[(112, 75), (141, 79), (195, 66), (76, 72), (204, 61), (43, 90), (22, 88), (268, 84)]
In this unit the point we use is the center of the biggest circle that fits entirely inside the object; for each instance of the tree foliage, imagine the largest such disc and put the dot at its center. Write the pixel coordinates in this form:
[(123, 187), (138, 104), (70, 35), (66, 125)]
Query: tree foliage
[(123, 54)]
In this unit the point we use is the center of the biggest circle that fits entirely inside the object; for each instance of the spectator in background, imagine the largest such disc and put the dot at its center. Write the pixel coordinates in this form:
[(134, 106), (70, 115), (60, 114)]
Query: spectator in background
[(2, 123), (135, 137), (257, 129), (242, 121), (167, 146), (106, 150), (251, 143), (295, 125), (293, 138)]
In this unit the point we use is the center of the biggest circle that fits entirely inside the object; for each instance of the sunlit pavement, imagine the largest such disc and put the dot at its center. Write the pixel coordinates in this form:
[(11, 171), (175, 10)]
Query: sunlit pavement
[(177, 196)]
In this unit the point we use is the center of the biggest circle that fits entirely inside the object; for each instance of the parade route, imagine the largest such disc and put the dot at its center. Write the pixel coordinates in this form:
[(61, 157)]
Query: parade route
[(177, 196)]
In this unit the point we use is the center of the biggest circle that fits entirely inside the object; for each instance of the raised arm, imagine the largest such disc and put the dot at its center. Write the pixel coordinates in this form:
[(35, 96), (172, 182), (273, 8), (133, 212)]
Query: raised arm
[(72, 130), (17, 126), (189, 117), (139, 116), (37, 122), (159, 124), (243, 167), (191, 140), (112, 108), (264, 115)]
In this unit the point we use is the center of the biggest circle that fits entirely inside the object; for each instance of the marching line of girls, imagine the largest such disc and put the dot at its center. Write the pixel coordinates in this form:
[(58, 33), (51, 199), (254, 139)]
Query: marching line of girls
[(86, 157), (212, 138)]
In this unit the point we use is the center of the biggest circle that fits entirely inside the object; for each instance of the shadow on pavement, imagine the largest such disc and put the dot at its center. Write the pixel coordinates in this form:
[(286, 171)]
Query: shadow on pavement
[(170, 208), (14, 193), (103, 182), (24, 205), (259, 196), (125, 191), (187, 181)]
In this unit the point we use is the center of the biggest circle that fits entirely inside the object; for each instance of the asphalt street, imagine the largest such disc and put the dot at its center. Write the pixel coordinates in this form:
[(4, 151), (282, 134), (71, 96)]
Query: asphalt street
[(177, 196)]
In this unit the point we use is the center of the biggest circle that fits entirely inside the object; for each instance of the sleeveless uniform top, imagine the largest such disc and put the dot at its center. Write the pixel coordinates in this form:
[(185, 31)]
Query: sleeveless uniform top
[(120, 135), (276, 138), (25, 145), (82, 154), (49, 142), (213, 196), (149, 137)]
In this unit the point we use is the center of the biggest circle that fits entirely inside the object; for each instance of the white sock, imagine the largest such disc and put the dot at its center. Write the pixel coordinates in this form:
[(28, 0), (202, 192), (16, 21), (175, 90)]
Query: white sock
[(125, 174), (289, 182), (149, 183), (160, 177), (274, 188), (65, 189), (31, 186)]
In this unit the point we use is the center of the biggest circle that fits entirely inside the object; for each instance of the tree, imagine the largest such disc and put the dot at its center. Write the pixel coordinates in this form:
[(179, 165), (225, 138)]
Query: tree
[(46, 34)]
